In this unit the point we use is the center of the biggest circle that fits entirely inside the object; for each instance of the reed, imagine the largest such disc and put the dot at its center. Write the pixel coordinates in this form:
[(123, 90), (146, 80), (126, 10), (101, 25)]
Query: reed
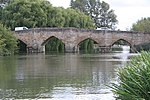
[(134, 79)]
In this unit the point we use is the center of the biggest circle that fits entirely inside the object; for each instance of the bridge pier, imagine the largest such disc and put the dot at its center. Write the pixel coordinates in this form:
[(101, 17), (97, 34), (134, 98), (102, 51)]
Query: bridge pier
[(105, 49), (30, 49), (33, 49), (70, 48)]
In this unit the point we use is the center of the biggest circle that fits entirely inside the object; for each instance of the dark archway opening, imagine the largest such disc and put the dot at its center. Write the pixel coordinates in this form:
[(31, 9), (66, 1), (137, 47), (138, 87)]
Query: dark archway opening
[(88, 46), (22, 47), (54, 45), (121, 45)]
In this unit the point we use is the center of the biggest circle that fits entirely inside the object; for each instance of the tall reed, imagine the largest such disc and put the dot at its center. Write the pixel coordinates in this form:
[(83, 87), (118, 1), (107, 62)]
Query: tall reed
[(134, 79)]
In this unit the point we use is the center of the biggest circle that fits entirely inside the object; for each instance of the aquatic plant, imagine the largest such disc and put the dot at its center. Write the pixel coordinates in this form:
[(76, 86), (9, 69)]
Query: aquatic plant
[(134, 79)]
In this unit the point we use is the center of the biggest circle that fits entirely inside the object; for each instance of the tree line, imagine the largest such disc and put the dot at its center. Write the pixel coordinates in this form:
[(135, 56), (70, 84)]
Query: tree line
[(100, 12), (40, 13), (37, 13)]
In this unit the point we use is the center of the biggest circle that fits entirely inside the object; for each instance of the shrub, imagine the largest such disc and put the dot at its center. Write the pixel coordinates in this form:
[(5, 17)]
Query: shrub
[(8, 42), (134, 79)]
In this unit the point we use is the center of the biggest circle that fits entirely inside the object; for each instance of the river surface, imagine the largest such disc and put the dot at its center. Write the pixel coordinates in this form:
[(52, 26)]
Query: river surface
[(59, 76)]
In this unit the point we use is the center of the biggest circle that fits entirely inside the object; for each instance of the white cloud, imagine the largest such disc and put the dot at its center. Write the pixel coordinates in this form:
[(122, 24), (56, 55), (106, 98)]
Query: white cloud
[(128, 16), (129, 11)]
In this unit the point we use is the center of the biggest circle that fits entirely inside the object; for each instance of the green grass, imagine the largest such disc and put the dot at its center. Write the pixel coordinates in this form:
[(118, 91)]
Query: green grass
[(134, 79)]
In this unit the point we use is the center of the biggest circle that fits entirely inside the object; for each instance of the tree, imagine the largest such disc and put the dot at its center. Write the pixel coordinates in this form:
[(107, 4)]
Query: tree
[(55, 17), (60, 17), (8, 42), (142, 25), (4, 1), (79, 19), (100, 12), (29, 13), (79, 4), (40, 13)]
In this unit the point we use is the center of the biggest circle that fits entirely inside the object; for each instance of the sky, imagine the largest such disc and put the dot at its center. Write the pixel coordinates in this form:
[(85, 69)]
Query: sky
[(127, 11)]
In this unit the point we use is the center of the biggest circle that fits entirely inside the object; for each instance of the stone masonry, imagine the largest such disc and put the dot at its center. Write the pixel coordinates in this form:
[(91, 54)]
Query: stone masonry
[(37, 38)]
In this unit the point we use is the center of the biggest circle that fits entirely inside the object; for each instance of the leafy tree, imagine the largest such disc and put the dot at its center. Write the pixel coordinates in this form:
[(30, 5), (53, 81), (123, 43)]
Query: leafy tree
[(40, 13), (28, 13), (142, 25), (60, 17), (100, 12), (4, 1), (79, 4), (79, 19), (8, 42), (55, 17), (1, 12)]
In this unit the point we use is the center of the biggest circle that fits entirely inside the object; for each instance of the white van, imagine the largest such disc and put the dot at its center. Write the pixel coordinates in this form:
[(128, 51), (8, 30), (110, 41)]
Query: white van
[(20, 28)]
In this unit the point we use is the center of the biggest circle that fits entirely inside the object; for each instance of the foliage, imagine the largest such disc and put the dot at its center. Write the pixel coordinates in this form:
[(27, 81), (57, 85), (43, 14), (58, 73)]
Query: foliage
[(144, 47), (86, 46), (8, 42), (60, 17), (4, 1), (79, 19), (29, 13), (134, 79), (40, 13), (142, 25), (54, 45), (99, 11)]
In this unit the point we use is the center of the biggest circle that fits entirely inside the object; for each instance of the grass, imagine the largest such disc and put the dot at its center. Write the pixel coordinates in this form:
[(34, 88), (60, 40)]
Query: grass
[(134, 79)]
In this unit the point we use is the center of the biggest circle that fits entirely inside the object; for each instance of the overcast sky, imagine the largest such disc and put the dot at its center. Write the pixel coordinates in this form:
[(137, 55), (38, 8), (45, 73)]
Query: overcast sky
[(127, 11)]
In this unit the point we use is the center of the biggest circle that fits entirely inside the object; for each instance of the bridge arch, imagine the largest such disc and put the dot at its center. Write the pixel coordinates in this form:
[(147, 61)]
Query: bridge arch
[(47, 40), (122, 42), (81, 39), (22, 47), (53, 44), (90, 46)]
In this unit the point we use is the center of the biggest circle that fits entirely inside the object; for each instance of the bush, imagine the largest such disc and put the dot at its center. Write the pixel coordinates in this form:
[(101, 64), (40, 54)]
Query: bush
[(143, 47), (134, 79), (8, 42)]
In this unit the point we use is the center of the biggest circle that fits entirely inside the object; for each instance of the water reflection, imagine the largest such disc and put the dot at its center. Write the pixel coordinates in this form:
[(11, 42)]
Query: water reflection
[(57, 77)]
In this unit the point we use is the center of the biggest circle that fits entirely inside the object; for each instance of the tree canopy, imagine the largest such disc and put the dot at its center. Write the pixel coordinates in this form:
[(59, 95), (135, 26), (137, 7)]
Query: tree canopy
[(4, 1), (100, 12), (36, 13), (8, 42), (142, 25), (40, 13)]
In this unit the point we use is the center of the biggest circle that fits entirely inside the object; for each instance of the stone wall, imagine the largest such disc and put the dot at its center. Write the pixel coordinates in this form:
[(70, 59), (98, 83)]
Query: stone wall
[(37, 38)]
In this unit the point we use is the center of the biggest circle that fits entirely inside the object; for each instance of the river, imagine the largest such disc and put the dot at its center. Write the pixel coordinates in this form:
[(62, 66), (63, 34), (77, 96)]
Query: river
[(59, 76)]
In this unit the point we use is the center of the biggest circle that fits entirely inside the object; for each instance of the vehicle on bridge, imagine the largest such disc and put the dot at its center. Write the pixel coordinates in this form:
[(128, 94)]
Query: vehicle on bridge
[(20, 28)]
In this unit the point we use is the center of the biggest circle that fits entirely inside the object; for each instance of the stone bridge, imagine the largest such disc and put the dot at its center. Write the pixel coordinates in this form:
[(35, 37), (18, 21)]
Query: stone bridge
[(37, 38)]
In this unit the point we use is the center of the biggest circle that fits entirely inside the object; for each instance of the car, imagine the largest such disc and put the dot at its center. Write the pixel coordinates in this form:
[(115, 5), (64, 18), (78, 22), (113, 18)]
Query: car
[(20, 28)]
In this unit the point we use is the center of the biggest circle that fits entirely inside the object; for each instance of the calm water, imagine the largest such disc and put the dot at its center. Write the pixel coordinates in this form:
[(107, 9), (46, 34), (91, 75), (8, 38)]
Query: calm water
[(58, 76)]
